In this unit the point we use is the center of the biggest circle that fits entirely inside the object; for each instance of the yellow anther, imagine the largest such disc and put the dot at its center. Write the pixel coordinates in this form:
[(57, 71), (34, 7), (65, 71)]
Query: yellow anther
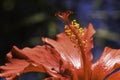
[(72, 35), (67, 31), (76, 37), (82, 34), (75, 24), (74, 20), (81, 29), (68, 34), (84, 43), (65, 27)]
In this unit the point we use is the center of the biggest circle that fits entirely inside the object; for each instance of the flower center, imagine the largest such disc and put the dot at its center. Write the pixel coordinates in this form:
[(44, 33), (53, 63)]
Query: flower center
[(76, 33)]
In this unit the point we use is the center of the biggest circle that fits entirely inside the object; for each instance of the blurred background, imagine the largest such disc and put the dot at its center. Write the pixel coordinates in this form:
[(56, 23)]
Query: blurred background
[(24, 22)]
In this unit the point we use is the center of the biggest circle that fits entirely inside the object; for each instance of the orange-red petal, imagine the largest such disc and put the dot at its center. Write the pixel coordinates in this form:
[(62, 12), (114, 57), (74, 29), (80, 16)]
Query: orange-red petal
[(68, 52), (13, 68), (44, 55), (114, 76), (108, 62), (39, 55)]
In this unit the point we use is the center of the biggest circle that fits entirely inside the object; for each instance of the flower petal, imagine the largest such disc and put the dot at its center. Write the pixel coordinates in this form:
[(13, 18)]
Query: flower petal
[(82, 38), (32, 68), (13, 68), (108, 62), (38, 55), (88, 35), (66, 49), (56, 78), (38, 59), (68, 52), (115, 76)]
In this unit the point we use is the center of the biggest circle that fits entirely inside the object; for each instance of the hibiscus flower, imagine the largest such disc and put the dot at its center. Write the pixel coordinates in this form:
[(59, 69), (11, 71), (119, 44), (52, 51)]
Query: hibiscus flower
[(69, 57)]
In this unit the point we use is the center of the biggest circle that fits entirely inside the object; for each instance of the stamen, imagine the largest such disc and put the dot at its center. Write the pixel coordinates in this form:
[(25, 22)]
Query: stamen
[(76, 34), (73, 29), (75, 24)]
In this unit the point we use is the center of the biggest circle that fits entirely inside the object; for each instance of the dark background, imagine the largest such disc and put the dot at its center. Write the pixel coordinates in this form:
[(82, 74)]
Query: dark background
[(24, 22)]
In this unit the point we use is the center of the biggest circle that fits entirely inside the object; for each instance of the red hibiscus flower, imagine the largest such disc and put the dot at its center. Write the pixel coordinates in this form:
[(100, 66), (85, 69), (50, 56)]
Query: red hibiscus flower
[(69, 57)]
